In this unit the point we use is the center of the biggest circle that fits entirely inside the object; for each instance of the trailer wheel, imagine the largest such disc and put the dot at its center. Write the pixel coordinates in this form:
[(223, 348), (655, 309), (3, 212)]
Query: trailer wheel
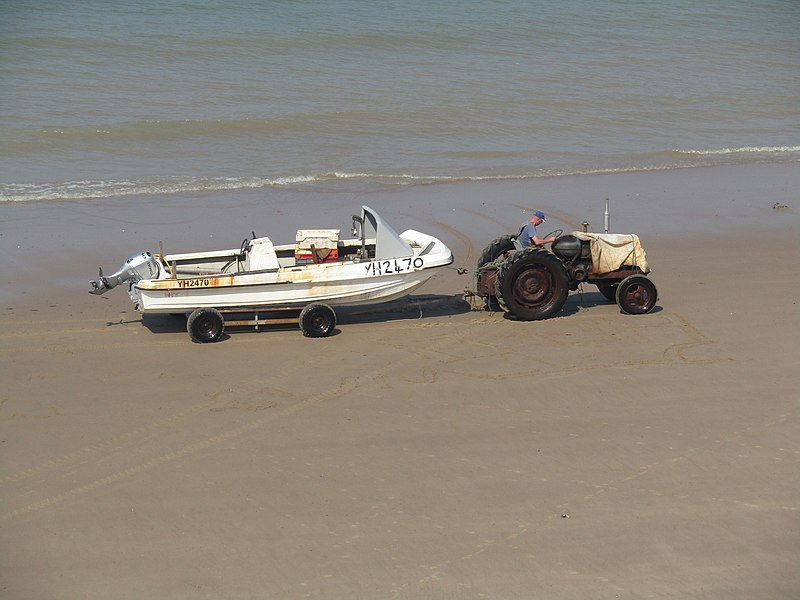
[(636, 295), (532, 285), (205, 325), (608, 289), (317, 320)]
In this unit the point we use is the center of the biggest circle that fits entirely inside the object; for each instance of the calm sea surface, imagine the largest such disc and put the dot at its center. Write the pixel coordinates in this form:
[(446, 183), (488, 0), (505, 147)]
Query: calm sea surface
[(103, 98)]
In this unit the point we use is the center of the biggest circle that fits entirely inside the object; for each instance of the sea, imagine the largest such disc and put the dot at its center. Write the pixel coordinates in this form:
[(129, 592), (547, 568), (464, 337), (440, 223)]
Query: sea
[(108, 99)]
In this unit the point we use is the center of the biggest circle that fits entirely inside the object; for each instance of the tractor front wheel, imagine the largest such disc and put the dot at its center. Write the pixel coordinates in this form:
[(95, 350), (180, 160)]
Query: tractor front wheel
[(636, 295)]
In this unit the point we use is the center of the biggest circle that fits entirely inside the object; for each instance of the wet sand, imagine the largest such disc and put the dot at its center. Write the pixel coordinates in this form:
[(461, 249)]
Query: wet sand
[(428, 449)]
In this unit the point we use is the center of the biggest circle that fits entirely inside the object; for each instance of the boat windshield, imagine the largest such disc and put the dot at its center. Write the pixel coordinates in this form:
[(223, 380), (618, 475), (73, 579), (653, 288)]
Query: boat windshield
[(388, 244)]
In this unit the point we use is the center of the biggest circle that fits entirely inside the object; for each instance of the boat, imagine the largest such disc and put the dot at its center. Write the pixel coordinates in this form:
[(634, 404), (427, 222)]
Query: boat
[(315, 273)]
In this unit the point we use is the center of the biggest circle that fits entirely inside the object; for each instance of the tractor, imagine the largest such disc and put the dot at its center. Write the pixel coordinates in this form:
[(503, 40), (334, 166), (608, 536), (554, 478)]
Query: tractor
[(533, 283)]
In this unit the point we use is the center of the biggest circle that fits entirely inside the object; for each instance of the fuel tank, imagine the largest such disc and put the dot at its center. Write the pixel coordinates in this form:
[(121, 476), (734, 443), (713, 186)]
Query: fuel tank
[(568, 247)]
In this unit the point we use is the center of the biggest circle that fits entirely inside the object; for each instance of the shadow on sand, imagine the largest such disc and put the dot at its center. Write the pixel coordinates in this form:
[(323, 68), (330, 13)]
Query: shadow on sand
[(580, 302), (575, 303), (410, 307)]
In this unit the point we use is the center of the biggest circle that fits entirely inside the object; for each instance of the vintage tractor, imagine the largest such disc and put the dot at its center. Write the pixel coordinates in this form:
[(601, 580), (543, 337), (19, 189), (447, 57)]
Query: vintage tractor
[(533, 283)]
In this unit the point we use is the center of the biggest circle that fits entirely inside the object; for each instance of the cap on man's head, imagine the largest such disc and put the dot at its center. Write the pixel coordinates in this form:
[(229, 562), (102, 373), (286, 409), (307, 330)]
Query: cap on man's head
[(540, 214)]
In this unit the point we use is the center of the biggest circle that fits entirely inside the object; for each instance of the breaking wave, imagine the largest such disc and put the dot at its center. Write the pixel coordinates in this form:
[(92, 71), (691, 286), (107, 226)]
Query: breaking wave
[(99, 189), (744, 150), (166, 186)]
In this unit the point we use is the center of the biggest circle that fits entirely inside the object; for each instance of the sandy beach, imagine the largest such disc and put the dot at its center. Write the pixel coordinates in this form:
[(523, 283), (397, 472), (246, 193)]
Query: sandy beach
[(426, 450)]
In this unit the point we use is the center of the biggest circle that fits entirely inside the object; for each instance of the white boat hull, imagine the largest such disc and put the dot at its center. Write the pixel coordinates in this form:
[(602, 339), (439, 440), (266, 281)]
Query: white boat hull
[(336, 285)]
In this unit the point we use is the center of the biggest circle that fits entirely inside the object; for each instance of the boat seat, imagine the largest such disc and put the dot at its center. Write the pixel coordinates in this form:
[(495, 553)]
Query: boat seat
[(261, 256)]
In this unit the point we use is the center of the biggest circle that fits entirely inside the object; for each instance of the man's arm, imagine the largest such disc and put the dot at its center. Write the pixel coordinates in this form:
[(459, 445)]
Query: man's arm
[(540, 242)]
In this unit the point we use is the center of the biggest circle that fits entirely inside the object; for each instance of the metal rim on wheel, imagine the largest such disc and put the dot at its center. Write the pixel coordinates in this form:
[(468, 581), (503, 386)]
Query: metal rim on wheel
[(533, 286), (636, 295)]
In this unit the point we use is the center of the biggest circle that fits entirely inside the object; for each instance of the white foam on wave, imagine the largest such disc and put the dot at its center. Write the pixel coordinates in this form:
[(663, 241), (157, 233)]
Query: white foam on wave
[(106, 189), (743, 150), (100, 189)]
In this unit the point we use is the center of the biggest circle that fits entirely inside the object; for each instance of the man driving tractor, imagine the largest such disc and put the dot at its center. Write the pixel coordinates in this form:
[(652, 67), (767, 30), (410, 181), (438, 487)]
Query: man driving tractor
[(527, 233)]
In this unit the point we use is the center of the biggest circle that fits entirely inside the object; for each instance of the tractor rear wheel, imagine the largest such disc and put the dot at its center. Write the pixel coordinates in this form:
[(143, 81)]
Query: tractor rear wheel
[(532, 285), (501, 247), (496, 248), (636, 295)]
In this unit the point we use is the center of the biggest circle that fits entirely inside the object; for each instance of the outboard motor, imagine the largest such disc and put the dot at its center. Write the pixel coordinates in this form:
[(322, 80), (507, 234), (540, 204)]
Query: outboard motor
[(137, 267)]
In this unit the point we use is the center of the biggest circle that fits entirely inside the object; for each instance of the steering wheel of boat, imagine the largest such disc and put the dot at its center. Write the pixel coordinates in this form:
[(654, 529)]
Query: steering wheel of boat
[(245, 246)]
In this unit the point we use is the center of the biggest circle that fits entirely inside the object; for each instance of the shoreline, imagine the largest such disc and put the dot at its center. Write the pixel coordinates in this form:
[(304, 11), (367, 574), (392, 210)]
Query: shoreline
[(178, 186), (378, 183), (59, 245)]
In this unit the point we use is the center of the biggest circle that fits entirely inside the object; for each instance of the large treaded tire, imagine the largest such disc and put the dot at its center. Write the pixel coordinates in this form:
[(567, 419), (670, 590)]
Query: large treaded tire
[(502, 246), (205, 325), (496, 248), (317, 320), (532, 285)]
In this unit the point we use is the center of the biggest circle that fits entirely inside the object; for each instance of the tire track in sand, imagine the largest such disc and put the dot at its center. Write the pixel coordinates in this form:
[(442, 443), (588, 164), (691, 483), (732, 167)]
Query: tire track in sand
[(347, 385)]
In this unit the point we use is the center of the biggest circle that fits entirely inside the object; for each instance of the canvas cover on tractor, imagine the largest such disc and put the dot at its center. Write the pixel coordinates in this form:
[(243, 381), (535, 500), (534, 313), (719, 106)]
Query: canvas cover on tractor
[(610, 251)]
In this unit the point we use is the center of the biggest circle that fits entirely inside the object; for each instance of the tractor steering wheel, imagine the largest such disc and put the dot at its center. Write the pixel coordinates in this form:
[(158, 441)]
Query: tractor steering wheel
[(558, 233)]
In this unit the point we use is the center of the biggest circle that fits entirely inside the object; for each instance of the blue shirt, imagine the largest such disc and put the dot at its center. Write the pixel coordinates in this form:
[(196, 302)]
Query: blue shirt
[(526, 234)]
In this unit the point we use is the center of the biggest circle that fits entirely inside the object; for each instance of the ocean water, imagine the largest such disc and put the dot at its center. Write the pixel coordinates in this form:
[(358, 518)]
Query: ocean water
[(105, 98)]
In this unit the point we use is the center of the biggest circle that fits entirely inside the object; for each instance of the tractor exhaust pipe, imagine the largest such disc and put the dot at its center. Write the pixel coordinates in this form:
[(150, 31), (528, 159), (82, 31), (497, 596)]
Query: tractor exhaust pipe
[(606, 218)]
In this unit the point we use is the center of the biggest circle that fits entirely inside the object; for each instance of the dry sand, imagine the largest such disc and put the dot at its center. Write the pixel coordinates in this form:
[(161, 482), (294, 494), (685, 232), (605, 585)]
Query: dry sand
[(425, 451)]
